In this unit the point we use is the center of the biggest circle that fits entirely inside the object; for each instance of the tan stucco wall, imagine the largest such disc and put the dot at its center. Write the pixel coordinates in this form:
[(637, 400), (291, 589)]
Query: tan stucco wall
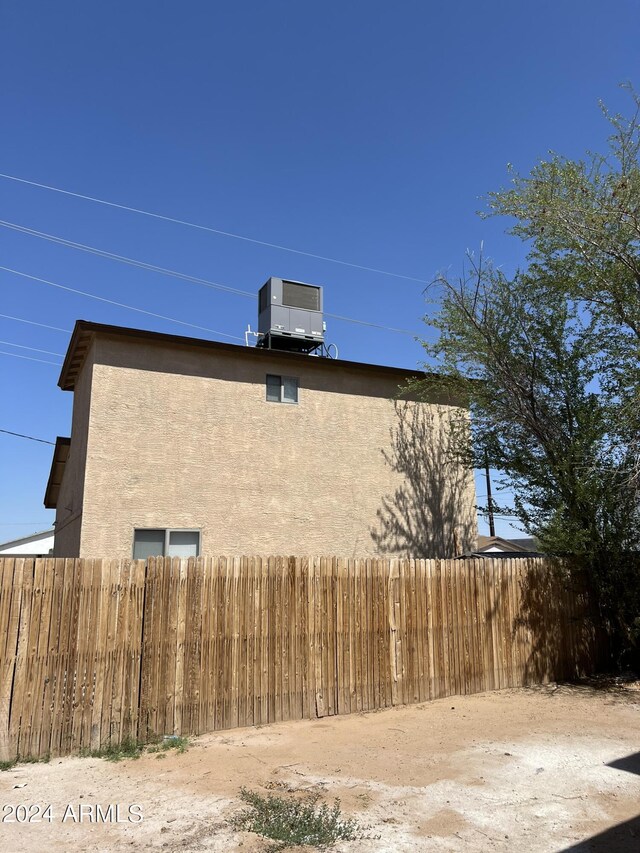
[(68, 524), (184, 438)]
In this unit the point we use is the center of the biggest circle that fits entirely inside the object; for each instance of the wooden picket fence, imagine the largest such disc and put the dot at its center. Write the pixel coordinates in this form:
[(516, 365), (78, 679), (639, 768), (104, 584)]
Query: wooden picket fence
[(94, 651)]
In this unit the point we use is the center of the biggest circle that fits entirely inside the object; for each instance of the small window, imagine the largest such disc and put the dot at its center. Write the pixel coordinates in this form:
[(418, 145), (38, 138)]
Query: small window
[(282, 389), (162, 542), (183, 543), (274, 384), (148, 543)]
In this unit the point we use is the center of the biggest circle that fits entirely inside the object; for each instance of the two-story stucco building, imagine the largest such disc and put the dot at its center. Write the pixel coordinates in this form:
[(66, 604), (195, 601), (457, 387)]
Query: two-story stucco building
[(186, 446)]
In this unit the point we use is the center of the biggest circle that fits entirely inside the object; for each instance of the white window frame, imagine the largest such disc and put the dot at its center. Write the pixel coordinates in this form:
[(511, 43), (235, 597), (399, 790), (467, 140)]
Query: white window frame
[(282, 380), (167, 533)]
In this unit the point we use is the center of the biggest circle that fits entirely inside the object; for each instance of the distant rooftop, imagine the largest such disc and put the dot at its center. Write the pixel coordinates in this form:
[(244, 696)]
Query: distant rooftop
[(18, 545)]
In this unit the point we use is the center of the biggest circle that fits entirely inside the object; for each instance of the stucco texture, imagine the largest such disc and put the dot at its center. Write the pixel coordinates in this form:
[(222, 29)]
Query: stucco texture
[(68, 524), (184, 438)]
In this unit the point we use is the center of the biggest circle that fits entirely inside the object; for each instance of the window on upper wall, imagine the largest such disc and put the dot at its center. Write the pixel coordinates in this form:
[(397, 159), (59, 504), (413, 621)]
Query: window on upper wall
[(282, 389), (160, 542)]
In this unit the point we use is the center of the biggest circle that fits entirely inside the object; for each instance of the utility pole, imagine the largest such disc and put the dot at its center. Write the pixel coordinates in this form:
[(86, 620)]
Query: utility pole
[(492, 527)]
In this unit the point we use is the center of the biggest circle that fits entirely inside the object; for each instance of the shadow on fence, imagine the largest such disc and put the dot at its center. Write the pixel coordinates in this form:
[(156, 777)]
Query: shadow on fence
[(94, 651), (557, 613)]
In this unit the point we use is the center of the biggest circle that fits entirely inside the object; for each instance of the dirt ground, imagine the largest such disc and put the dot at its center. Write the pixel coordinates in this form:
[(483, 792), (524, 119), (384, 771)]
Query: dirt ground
[(539, 769)]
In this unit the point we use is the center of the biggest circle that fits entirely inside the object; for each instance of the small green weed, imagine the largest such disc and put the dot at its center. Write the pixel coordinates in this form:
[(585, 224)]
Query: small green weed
[(132, 748), (291, 821), (176, 742), (7, 765), (128, 748), (45, 759), (180, 744)]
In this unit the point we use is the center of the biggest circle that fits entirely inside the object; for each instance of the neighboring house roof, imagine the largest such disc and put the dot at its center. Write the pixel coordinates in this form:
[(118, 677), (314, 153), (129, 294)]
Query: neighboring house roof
[(84, 332), (29, 546), (527, 543), (496, 546), (497, 543)]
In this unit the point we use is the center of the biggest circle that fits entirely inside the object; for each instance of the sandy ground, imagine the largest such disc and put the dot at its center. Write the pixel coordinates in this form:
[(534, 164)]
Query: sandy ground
[(515, 770)]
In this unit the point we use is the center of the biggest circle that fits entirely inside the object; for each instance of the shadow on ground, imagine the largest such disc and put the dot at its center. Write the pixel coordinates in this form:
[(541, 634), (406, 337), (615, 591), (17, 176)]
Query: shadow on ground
[(617, 688), (630, 764), (621, 838)]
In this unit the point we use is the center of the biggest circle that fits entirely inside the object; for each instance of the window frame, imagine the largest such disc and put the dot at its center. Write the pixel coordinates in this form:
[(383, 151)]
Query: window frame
[(282, 379), (167, 537)]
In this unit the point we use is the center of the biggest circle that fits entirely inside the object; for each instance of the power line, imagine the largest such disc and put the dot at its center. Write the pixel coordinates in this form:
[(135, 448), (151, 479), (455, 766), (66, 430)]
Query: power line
[(103, 253), (214, 285), (119, 304), (208, 228), (30, 437), (33, 323), (30, 358), (498, 514), (367, 323), (34, 349)]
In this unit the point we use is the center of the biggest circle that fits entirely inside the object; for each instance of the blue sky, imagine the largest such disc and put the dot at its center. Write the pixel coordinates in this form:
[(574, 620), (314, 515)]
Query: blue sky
[(365, 132)]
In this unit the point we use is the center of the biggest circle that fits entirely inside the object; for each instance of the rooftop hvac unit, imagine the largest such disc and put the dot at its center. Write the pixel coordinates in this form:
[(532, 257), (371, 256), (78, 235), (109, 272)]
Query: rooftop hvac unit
[(290, 316)]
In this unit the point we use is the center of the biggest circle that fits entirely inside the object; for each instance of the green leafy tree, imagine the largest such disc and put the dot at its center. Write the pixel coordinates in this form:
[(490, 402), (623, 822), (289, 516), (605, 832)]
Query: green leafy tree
[(548, 361), (583, 221)]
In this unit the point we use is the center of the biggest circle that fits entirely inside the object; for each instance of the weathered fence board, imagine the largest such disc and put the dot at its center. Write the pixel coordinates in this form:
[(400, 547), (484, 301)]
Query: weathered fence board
[(93, 651)]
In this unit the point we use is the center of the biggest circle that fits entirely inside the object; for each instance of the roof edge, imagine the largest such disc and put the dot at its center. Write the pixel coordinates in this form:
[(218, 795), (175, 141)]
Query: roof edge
[(85, 330), (60, 453)]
